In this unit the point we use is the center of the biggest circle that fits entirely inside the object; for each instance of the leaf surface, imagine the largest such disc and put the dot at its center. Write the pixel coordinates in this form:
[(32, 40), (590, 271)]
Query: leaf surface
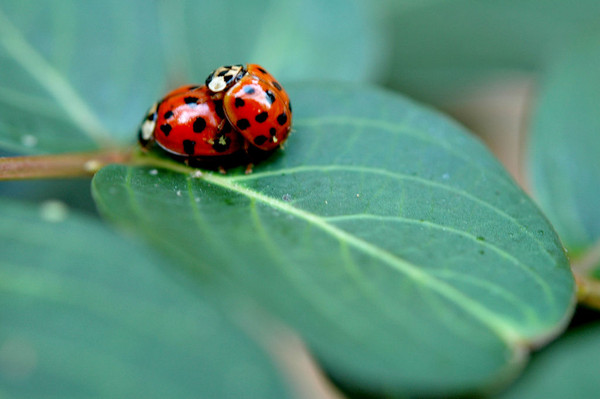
[(388, 237), (89, 313), (473, 40), (566, 369), (564, 147), (79, 75)]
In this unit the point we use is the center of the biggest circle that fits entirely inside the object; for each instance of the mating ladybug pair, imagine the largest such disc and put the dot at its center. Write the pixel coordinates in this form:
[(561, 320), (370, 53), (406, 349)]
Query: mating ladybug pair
[(239, 107)]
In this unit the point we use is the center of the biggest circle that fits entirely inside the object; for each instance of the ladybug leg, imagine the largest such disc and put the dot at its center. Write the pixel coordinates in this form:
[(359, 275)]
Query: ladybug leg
[(249, 168), (246, 146), (222, 170)]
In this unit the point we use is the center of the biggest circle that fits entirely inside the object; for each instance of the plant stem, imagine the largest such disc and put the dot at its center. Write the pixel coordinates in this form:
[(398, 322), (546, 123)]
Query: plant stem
[(589, 260), (588, 287), (588, 290), (82, 164)]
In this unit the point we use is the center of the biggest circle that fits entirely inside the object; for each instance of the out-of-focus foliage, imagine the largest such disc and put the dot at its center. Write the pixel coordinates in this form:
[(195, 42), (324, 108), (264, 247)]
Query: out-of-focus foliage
[(80, 75)]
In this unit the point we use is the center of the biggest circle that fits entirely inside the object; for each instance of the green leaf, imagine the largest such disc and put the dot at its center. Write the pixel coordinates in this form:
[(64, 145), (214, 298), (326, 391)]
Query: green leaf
[(78, 75), (567, 369), (473, 39), (388, 237), (89, 313), (564, 146)]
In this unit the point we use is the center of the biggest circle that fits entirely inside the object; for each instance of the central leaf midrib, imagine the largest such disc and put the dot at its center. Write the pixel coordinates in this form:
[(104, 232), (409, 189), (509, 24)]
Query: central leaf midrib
[(497, 324), (398, 176)]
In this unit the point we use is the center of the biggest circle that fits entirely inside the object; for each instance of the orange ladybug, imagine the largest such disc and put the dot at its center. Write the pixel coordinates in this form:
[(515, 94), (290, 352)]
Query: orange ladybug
[(254, 103), (189, 123)]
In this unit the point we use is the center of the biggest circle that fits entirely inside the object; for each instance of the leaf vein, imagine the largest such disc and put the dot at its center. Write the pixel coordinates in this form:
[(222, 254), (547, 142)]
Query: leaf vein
[(525, 268), (496, 323), (397, 176)]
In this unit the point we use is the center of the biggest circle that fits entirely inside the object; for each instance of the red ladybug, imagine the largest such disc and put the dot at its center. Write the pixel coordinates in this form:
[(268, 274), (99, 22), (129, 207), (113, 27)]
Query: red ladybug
[(254, 103), (188, 122)]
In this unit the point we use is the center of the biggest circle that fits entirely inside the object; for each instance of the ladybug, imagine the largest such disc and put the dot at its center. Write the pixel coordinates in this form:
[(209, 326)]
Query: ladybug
[(189, 123), (254, 103)]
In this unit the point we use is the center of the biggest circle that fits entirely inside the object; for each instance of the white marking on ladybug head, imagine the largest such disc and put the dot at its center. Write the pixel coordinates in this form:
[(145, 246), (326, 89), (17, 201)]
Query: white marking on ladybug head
[(223, 77), (149, 123)]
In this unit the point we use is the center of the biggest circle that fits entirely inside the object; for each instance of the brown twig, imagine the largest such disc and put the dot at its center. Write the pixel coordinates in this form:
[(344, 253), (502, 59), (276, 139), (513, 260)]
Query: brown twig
[(588, 290), (61, 165), (589, 260), (588, 286)]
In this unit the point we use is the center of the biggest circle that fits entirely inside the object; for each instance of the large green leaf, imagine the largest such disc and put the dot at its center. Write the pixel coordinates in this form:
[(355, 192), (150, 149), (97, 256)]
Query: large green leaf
[(564, 146), (441, 46), (387, 236), (78, 74), (567, 369), (88, 313)]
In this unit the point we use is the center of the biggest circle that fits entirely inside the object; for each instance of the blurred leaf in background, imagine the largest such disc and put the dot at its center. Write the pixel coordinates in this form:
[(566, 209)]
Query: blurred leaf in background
[(564, 147), (441, 47), (90, 313), (76, 74), (475, 275), (566, 369)]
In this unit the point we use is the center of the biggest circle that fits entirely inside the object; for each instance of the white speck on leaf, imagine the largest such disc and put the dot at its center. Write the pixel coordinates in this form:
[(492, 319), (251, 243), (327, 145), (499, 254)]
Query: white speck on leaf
[(153, 172), (92, 165), (286, 197), (29, 141), (54, 211)]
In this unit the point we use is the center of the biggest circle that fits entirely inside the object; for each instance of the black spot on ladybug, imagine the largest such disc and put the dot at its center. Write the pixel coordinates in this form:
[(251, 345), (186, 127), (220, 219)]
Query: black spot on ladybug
[(260, 140), (166, 128), (228, 78), (219, 109), (227, 66), (188, 146), (262, 70), (223, 72), (151, 117), (168, 114), (260, 118), (277, 85), (248, 89), (270, 96), (282, 118), (272, 131), (199, 125), (221, 143), (209, 78), (243, 124), (191, 101), (239, 102)]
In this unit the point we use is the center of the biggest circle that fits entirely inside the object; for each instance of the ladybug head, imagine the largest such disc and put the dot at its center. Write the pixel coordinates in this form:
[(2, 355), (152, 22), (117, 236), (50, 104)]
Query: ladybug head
[(223, 77)]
